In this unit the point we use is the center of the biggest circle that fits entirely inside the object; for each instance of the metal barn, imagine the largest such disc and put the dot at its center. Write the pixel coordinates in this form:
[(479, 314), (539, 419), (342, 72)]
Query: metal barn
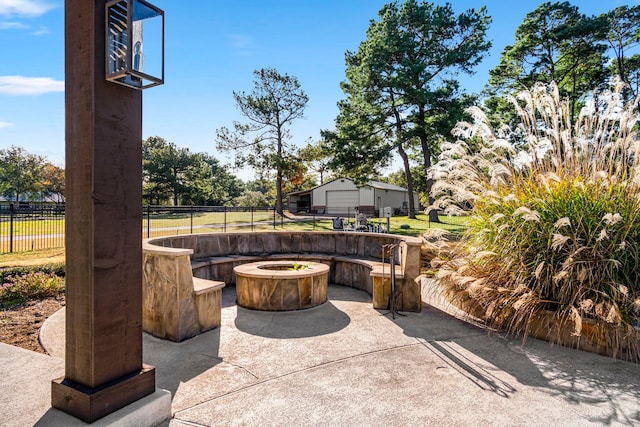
[(343, 197)]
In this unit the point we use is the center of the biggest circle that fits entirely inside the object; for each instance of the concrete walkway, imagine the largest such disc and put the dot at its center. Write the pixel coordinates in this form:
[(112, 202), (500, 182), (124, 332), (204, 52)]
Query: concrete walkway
[(345, 364)]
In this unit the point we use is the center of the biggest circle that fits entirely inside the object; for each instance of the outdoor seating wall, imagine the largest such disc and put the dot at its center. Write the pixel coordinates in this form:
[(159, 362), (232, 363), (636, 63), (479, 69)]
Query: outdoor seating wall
[(181, 272), (359, 245)]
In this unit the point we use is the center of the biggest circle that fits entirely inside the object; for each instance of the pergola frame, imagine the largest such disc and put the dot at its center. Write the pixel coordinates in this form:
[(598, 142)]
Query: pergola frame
[(103, 125)]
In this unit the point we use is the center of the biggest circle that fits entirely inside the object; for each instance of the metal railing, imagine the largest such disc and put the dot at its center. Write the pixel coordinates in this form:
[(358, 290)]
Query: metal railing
[(36, 226), (171, 220), (31, 226)]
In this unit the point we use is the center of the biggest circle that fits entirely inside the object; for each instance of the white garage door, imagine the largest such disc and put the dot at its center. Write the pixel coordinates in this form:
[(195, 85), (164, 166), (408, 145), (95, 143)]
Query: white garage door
[(341, 202)]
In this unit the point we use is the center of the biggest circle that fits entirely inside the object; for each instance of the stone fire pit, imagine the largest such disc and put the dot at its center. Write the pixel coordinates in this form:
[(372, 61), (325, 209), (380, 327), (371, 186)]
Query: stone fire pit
[(281, 285)]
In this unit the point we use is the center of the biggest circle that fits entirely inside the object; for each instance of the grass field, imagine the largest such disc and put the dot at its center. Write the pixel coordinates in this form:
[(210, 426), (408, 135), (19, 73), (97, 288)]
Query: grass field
[(24, 226), (38, 237), (398, 224), (196, 218), (32, 258)]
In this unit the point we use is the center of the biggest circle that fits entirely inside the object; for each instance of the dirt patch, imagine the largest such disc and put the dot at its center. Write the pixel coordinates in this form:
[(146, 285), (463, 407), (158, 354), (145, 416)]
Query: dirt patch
[(19, 325)]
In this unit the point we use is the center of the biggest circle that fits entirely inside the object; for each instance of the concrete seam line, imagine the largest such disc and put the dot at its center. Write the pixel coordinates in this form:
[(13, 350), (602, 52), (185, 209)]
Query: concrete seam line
[(332, 362)]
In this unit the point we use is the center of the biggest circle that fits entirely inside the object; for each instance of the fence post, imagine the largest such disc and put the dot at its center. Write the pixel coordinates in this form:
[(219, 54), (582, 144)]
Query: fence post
[(225, 219), (191, 218), (11, 228), (274, 218), (252, 226), (148, 221)]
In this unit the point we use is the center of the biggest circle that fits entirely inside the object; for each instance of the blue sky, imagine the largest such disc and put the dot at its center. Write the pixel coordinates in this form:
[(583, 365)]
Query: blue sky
[(212, 48)]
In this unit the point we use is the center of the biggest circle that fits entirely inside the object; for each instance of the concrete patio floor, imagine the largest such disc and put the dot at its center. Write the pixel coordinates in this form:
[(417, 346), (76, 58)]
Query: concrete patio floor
[(345, 364)]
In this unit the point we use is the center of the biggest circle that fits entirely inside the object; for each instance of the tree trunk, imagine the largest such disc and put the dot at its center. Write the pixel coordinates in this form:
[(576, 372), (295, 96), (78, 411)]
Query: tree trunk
[(426, 153), (279, 193), (279, 174), (174, 186), (405, 160), (407, 173)]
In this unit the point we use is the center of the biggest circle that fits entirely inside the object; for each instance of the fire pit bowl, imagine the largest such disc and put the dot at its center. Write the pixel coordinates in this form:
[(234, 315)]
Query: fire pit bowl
[(281, 285)]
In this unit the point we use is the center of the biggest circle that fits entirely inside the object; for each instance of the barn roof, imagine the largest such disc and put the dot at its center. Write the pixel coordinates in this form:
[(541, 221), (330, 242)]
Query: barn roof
[(384, 186), (373, 184)]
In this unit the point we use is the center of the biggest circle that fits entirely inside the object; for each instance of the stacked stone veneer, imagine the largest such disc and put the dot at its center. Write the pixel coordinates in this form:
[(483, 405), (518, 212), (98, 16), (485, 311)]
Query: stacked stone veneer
[(171, 306), (354, 259), (277, 286)]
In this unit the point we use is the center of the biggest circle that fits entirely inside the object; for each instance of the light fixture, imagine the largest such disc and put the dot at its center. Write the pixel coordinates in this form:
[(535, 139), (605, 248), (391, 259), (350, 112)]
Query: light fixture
[(134, 43)]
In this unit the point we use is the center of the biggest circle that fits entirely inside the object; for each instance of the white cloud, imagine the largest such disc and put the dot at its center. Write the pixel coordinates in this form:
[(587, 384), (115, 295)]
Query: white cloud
[(24, 7), (5, 124), (239, 41), (9, 25), (20, 85), (41, 31)]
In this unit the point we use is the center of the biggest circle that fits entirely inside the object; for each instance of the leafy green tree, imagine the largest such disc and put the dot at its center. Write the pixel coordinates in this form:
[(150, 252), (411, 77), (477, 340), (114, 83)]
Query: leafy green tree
[(263, 143), (165, 170), (302, 181), (357, 148), (225, 185), (401, 82), (176, 174), (251, 199), (623, 35), (398, 178), (20, 173), (261, 184), (632, 66), (316, 159), (198, 186), (554, 43), (52, 182)]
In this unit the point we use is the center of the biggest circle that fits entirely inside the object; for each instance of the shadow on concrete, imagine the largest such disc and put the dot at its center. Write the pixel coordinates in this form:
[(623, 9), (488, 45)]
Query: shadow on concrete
[(48, 418), (228, 296), (449, 339), (346, 293), (610, 388), (321, 320), (581, 378), (179, 362), (483, 378)]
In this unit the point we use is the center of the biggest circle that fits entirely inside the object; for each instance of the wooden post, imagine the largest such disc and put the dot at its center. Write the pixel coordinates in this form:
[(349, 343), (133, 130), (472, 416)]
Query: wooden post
[(103, 360)]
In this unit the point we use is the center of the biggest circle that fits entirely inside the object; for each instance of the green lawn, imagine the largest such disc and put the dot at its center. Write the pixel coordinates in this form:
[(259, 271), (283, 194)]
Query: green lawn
[(416, 227), (206, 218), (32, 258), (45, 234), (29, 226), (421, 224)]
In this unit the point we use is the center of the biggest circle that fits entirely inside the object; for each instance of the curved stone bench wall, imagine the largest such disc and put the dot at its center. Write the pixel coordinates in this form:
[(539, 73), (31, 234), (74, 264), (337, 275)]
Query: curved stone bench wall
[(170, 265)]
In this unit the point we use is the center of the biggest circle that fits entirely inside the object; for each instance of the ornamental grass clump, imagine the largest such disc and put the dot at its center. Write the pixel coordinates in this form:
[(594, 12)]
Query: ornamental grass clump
[(555, 221)]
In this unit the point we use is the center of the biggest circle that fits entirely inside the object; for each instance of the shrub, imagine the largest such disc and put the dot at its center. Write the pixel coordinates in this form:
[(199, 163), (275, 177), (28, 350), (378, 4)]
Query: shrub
[(57, 268), (555, 214), (30, 286)]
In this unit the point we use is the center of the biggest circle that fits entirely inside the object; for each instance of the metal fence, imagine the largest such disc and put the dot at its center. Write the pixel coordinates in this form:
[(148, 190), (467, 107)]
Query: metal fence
[(31, 226), (170, 220), (456, 224), (36, 226)]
